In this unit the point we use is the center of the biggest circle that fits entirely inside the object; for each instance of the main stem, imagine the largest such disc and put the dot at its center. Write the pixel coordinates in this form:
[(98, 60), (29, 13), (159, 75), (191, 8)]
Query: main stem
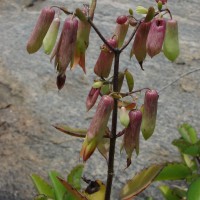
[(113, 137)]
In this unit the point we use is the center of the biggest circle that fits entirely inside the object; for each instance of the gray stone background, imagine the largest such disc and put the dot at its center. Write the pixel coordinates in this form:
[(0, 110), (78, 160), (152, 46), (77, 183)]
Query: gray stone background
[(28, 142)]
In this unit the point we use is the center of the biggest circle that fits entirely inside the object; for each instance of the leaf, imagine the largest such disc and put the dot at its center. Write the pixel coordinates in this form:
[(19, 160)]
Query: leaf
[(42, 186), (71, 190), (193, 192), (190, 162), (187, 148), (174, 171), (71, 131), (74, 177), (140, 182), (59, 189), (188, 133), (168, 193), (129, 80)]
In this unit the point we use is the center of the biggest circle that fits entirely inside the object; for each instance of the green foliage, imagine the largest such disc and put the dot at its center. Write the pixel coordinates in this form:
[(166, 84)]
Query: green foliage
[(57, 191), (189, 147), (140, 181)]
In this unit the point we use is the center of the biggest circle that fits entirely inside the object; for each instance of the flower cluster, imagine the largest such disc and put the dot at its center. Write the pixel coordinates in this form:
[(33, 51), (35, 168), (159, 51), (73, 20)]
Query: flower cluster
[(155, 35), (72, 44)]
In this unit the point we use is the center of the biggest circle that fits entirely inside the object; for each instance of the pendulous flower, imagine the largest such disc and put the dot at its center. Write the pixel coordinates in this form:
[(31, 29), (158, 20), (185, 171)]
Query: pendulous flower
[(92, 97), (104, 63), (121, 29), (132, 134), (149, 113), (64, 49), (98, 126), (156, 37), (83, 34), (139, 44), (43, 23), (171, 42), (51, 36)]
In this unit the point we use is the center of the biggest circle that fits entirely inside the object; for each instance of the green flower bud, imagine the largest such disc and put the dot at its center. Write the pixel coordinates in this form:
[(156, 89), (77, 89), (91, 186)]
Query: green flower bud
[(141, 10), (97, 84)]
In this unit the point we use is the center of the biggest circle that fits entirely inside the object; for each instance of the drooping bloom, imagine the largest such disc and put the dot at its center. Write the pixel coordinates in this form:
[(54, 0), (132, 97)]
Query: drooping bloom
[(156, 37), (51, 36), (97, 126), (149, 113), (103, 65), (139, 44), (92, 97), (121, 29), (83, 34), (171, 42), (64, 49), (43, 23), (131, 134)]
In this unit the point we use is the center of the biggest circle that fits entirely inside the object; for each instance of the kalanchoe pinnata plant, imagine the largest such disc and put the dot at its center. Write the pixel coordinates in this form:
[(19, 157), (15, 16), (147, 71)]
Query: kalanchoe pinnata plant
[(155, 31)]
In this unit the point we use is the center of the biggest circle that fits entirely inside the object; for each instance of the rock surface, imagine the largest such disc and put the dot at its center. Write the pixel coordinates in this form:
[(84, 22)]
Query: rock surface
[(30, 102)]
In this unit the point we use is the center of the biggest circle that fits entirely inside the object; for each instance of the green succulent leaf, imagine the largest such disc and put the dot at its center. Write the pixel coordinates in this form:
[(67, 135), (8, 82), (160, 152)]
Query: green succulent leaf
[(188, 133), (190, 162), (60, 191), (71, 190), (74, 177), (140, 181), (187, 148), (174, 171), (43, 187), (168, 193), (71, 131), (193, 192), (129, 80)]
